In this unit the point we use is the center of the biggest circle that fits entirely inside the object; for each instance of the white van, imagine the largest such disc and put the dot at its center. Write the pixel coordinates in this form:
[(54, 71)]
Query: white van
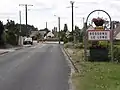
[(28, 40)]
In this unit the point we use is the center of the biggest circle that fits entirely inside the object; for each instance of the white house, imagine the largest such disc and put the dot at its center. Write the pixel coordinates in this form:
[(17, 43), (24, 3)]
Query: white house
[(50, 35)]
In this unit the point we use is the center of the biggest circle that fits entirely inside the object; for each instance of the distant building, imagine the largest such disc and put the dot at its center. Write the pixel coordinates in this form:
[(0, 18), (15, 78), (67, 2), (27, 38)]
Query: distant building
[(49, 35), (44, 32), (33, 33), (116, 30)]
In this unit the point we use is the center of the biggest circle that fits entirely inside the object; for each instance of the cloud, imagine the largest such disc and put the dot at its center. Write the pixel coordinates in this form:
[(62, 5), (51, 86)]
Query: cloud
[(44, 10)]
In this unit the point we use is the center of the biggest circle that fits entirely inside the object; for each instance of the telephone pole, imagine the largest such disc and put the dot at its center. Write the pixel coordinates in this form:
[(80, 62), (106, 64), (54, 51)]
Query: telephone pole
[(20, 41), (20, 20), (72, 3), (73, 33), (46, 24), (59, 28), (26, 15)]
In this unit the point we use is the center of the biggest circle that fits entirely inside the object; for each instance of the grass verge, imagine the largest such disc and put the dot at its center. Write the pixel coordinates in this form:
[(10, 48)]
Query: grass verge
[(94, 75)]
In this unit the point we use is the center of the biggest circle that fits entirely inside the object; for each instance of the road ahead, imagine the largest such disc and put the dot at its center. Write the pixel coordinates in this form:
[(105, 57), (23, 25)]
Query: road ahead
[(42, 67)]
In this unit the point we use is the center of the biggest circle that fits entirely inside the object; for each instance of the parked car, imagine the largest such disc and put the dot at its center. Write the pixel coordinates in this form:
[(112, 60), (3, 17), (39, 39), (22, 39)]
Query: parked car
[(28, 40)]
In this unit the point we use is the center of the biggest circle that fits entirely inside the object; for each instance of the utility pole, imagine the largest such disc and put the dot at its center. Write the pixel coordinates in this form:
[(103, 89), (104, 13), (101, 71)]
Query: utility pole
[(46, 24), (20, 20), (83, 21), (20, 41), (73, 33), (72, 3), (26, 15), (59, 28)]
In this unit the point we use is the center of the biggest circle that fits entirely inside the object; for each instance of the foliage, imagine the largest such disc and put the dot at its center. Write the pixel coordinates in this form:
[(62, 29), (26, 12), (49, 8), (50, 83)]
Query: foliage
[(1, 28), (98, 21), (69, 45), (12, 33), (94, 75), (65, 28), (78, 45), (63, 36), (70, 39), (116, 53), (54, 31), (78, 34), (25, 32), (1, 34), (99, 51), (38, 36)]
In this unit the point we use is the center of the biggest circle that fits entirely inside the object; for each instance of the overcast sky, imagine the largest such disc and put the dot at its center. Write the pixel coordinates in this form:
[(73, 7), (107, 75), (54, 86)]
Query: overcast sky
[(44, 10)]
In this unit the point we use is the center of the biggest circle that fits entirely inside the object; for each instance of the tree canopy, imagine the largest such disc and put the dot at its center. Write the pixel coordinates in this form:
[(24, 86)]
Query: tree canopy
[(65, 28), (1, 33)]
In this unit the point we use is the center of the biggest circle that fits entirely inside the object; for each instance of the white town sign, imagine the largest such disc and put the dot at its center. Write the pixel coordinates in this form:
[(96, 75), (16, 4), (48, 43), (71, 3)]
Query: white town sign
[(99, 35)]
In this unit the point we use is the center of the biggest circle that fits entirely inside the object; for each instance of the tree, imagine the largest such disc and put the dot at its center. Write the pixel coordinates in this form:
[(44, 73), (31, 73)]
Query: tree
[(1, 33), (12, 35), (25, 32), (65, 28), (78, 34), (54, 31)]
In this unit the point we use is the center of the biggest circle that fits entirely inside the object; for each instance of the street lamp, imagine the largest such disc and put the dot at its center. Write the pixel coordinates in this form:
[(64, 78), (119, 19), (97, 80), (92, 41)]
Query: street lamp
[(58, 27)]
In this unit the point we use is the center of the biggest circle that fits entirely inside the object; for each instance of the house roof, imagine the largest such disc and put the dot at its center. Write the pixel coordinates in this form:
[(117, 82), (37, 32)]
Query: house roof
[(50, 34), (44, 29)]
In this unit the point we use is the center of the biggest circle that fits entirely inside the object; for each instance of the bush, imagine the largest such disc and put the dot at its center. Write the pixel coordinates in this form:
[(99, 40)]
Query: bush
[(116, 52), (79, 45), (69, 45), (11, 38), (99, 54)]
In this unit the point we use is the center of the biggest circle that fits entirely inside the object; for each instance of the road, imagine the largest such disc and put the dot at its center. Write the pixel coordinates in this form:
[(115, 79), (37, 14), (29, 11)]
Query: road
[(41, 67)]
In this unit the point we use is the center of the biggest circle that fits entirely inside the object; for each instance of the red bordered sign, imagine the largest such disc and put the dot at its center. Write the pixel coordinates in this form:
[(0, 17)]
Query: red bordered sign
[(99, 35)]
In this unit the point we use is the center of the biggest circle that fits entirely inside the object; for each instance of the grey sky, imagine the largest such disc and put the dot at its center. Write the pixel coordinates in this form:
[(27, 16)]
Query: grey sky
[(44, 10)]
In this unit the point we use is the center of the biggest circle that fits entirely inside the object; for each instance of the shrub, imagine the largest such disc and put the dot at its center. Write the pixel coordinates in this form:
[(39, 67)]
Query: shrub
[(69, 45), (79, 45), (116, 52), (11, 38)]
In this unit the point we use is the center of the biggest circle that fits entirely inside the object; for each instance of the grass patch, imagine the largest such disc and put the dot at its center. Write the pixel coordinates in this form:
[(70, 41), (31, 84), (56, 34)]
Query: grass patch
[(94, 75)]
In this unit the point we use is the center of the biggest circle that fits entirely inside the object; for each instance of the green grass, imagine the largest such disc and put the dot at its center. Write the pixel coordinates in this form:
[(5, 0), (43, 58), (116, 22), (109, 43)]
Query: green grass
[(95, 75)]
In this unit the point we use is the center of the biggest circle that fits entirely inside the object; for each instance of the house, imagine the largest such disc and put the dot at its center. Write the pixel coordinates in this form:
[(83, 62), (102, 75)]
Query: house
[(116, 31), (43, 32), (50, 35), (33, 33)]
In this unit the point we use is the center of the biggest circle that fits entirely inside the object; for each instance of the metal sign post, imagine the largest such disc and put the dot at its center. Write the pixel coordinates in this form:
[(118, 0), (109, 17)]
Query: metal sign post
[(111, 41), (85, 41)]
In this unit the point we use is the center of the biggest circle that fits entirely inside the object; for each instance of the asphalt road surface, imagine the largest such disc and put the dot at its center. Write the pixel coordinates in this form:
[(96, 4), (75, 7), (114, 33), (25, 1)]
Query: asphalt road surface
[(41, 67)]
